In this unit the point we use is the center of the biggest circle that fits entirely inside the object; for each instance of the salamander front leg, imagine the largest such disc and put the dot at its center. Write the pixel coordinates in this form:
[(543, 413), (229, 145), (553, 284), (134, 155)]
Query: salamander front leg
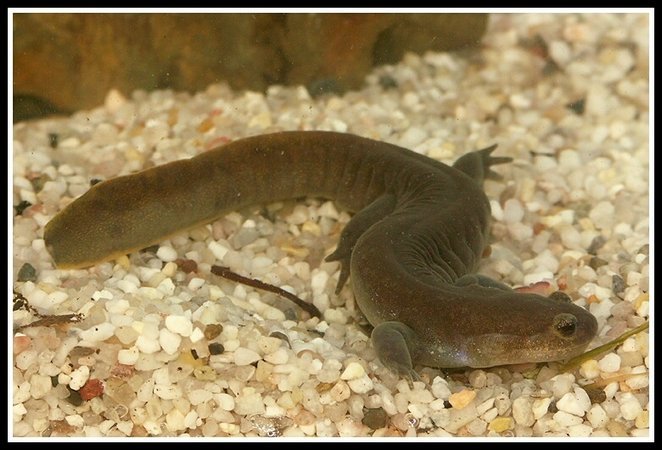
[(394, 343), (358, 225)]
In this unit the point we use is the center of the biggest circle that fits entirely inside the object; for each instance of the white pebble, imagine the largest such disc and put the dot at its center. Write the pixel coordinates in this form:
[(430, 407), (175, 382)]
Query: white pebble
[(225, 401), (119, 306), (565, 419), (261, 262), (269, 344), (198, 396), (249, 402), (630, 406), (97, 295), (590, 369), (127, 286), (597, 100), (318, 281), (576, 402), (562, 384), (638, 382), (147, 345), (602, 215), (70, 142), (522, 412), (18, 410), (361, 385), (174, 420), (610, 363), (166, 286), (231, 345), (40, 385), (483, 407), (169, 341), (128, 356), (298, 215), (597, 416), (412, 137), (26, 358), (328, 209), (570, 237), (340, 391), (79, 377), (440, 388), (167, 392), (40, 299), (166, 253), (497, 211), (519, 101), (196, 283), (569, 160), (580, 430), (353, 371), (520, 231), (540, 406), (21, 392), (98, 333), (196, 335), (560, 52), (218, 250), (598, 309), (75, 420), (245, 356), (179, 324), (513, 211), (610, 390), (477, 427), (114, 100)]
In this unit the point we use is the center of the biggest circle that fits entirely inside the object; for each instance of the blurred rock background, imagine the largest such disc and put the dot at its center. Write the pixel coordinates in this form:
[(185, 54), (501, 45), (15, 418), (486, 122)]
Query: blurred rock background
[(69, 61)]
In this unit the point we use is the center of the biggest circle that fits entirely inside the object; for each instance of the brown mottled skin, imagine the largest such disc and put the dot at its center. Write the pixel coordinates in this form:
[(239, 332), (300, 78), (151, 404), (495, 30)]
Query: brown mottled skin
[(411, 248)]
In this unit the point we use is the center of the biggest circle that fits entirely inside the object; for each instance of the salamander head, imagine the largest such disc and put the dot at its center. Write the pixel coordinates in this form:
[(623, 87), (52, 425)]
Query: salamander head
[(489, 327), (536, 329)]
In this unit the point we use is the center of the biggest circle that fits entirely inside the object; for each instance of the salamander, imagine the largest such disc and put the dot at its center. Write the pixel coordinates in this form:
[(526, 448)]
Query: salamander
[(411, 248)]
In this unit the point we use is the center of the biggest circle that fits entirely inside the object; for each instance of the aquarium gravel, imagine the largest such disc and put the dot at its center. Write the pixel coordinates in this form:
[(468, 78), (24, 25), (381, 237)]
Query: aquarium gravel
[(153, 344)]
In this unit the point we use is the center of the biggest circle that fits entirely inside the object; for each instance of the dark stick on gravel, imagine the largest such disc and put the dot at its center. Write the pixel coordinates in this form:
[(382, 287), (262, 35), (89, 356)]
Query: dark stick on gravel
[(225, 272)]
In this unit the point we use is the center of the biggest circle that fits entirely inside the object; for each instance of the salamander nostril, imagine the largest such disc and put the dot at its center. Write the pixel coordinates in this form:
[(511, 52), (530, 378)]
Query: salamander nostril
[(565, 324)]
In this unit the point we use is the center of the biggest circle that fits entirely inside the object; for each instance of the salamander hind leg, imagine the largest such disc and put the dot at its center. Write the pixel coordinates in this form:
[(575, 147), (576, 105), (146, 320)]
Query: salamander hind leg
[(394, 343), (358, 225), (477, 164)]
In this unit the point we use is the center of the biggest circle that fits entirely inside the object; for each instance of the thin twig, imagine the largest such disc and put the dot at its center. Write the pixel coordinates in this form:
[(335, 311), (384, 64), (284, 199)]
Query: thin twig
[(47, 321), (44, 320), (225, 272), (609, 346)]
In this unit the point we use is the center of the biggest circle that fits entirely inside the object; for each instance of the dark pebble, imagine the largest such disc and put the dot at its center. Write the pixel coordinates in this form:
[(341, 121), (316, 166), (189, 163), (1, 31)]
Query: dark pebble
[(212, 330), (215, 348), (22, 206), (577, 106), (618, 284), (374, 418), (27, 273)]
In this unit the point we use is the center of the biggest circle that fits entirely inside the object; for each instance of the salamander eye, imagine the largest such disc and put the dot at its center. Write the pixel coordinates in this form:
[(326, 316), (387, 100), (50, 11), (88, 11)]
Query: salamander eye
[(560, 296), (565, 324)]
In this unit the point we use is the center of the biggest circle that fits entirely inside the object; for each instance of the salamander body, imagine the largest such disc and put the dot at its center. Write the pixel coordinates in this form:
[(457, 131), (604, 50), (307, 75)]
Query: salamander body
[(412, 247)]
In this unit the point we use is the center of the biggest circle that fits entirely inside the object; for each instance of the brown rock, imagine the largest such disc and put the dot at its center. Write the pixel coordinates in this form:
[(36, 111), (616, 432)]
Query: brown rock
[(66, 62)]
